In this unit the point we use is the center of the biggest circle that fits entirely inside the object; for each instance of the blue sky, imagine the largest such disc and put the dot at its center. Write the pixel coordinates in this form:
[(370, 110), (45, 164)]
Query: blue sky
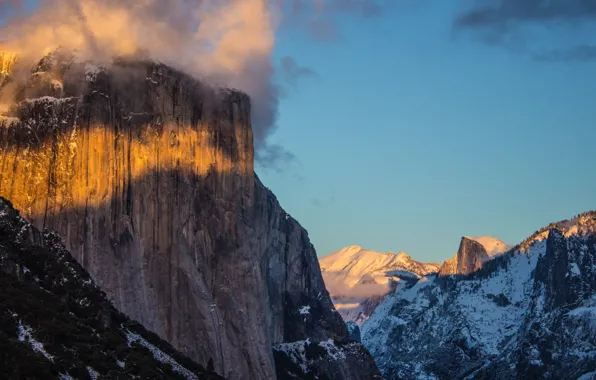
[(411, 135)]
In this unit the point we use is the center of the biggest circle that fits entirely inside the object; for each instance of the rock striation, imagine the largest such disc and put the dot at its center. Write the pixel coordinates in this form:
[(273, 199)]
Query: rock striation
[(147, 174)]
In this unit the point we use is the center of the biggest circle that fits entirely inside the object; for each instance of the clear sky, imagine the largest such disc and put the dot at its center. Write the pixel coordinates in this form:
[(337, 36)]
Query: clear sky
[(414, 133)]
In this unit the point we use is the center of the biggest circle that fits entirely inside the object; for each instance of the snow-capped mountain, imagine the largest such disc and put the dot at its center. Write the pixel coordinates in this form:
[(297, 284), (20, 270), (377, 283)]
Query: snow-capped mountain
[(529, 313), (358, 279), (473, 252), (493, 246)]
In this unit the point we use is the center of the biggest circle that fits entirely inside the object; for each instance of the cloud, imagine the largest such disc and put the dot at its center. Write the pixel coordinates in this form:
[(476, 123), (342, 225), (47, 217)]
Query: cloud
[(319, 16), (583, 53), (292, 72), (505, 22), (503, 13), (273, 156), (335, 282)]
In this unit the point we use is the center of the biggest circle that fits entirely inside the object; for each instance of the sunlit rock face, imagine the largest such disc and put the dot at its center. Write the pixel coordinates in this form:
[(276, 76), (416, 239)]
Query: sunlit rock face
[(472, 254), (148, 177), (6, 62), (469, 258)]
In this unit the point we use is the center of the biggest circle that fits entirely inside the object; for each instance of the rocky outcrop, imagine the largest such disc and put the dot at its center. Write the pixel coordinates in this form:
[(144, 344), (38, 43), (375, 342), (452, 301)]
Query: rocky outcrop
[(56, 323), (527, 314), (469, 258), (354, 331), (148, 177)]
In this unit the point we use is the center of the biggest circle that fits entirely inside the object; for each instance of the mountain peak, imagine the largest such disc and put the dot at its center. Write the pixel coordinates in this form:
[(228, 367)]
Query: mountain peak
[(353, 248), (401, 255), (492, 245), (355, 276), (469, 258)]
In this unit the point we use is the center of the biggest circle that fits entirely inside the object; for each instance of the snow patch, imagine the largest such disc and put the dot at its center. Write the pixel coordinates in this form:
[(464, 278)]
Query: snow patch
[(25, 335), (492, 245), (296, 351), (412, 293), (583, 311), (588, 376), (93, 374), (159, 355), (332, 350), (49, 99)]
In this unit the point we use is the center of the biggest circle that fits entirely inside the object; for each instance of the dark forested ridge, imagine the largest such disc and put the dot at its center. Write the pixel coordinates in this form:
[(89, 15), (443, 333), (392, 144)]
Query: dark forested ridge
[(56, 323)]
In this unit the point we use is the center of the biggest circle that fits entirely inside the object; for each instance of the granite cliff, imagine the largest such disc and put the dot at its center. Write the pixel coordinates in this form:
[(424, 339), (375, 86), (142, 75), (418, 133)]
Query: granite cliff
[(147, 175), (472, 254)]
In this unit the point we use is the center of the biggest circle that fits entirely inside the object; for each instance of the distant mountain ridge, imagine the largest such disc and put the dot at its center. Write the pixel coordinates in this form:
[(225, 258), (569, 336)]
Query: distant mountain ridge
[(527, 313), (358, 279)]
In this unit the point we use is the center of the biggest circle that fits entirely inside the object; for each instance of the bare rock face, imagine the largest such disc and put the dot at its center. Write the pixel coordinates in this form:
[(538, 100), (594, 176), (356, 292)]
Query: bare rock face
[(470, 257), (148, 177)]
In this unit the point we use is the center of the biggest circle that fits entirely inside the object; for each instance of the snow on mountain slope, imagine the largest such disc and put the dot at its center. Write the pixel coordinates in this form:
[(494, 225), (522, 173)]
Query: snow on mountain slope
[(358, 279), (526, 314), (493, 246), (353, 266)]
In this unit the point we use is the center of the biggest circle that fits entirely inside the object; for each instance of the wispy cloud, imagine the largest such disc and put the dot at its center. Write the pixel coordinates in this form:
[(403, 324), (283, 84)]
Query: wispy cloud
[(274, 157), (319, 16), (502, 22), (292, 72), (583, 53), (501, 14)]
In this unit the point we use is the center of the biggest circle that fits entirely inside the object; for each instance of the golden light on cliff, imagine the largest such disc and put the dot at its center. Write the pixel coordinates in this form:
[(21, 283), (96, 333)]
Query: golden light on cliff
[(87, 167), (7, 60)]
